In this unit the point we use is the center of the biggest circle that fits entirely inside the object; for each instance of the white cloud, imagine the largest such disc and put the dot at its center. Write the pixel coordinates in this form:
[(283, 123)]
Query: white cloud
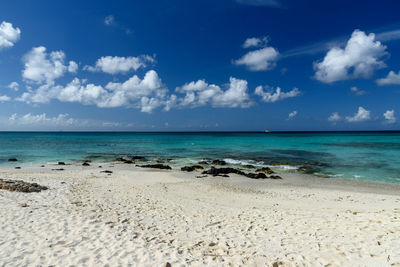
[(273, 96), (114, 65), (361, 115), (292, 115), (391, 78), (61, 121), (200, 93), (389, 116), (72, 67), (259, 60), (270, 3), (109, 20), (13, 86), (147, 93), (255, 42), (334, 117), (41, 66), (8, 35), (359, 59), (355, 91), (4, 98)]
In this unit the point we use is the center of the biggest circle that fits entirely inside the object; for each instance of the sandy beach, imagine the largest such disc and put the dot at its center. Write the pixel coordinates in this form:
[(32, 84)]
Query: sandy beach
[(137, 217)]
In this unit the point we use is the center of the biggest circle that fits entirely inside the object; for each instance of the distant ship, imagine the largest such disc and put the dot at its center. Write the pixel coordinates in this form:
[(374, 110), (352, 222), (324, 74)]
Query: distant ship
[(267, 131)]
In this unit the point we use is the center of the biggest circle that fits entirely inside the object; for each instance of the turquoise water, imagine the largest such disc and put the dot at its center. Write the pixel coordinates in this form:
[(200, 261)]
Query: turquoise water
[(357, 155)]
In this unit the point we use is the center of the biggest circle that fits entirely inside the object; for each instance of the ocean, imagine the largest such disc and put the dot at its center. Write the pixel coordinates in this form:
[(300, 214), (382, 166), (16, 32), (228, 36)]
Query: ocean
[(354, 155)]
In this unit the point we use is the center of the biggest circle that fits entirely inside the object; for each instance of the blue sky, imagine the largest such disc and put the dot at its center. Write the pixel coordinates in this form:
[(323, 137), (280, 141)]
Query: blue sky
[(175, 65)]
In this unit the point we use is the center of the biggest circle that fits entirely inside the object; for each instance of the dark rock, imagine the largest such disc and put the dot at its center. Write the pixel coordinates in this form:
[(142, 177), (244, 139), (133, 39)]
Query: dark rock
[(218, 171), (42, 166), (61, 163), (61, 169), (167, 264), (266, 170), (138, 158), (201, 176), (85, 164), (203, 162), (20, 186), (120, 159), (256, 175), (87, 160), (248, 166), (17, 168), (155, 166), (218, 162), (128, 161), (12, 159), (107, 171), (275, 177), (191, 168), (307, 169)]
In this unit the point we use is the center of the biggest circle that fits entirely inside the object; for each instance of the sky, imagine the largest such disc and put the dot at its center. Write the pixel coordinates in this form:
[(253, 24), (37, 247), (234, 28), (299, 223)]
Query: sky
[(178, 65)]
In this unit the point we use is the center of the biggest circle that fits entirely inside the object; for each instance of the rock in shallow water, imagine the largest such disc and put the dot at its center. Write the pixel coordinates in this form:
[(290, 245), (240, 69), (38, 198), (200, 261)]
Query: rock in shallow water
[(21, 186), (218, 162), (12, 159)]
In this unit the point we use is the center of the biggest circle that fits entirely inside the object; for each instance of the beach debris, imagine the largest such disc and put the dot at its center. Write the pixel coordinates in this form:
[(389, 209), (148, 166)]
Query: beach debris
[(167, 264), (192, 168), (201, 176), (107, 171), (60, 169), (85, 164), (42, 166), (23, 205), (266, 170), (218, 162), (20, 186), (17, 168), (12, 159), (61, 163), (155, 166)]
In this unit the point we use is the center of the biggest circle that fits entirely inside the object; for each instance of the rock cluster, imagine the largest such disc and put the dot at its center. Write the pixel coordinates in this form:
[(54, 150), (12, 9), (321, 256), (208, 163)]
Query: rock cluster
[(191, 168), (21, 186), (225, 171)]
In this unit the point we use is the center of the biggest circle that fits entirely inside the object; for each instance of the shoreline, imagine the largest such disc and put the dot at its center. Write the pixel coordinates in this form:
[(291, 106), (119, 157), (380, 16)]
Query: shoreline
[(150, 217)]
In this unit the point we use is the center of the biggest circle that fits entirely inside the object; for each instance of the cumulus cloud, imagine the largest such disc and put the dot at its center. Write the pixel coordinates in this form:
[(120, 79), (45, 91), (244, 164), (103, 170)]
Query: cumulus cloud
[(8, 35), (43, 67), (273, 96), (255, 42), (114, 65), (389, 116), (259, 60), (361, 115), (358, 59), (13, 86), (147, 93), (292, 115), (72, 67), (334, 117), (355, 91), (200, 93), (391, 78), (4, 98), (270, 3)]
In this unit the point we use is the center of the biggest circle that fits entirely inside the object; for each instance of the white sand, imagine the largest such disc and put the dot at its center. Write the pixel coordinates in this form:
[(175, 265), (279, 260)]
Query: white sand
[(147, 218)]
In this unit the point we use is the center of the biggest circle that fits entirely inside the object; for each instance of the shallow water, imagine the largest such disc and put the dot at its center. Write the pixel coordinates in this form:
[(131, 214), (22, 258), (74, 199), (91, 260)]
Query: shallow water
[(358, 155)]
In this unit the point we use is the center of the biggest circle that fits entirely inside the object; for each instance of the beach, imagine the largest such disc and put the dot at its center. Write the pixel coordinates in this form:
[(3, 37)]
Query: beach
[(147, 217)]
